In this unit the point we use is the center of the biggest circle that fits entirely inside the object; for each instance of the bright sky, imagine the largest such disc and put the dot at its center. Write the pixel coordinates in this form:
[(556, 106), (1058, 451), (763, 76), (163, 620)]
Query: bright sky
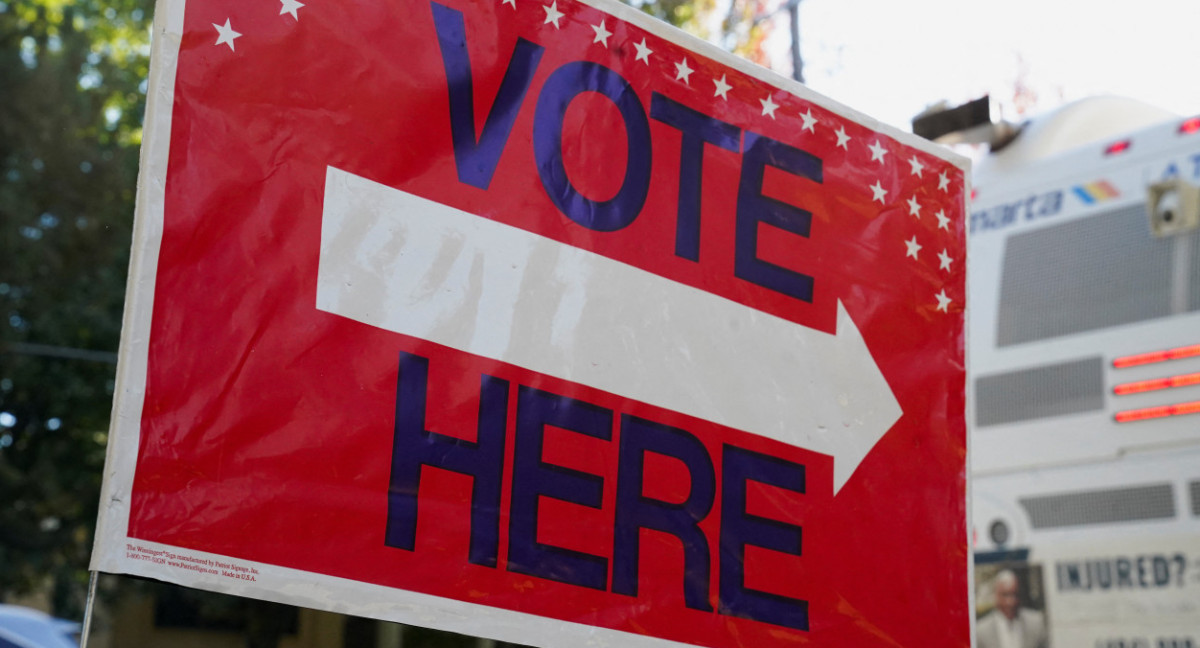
[(891, 58)]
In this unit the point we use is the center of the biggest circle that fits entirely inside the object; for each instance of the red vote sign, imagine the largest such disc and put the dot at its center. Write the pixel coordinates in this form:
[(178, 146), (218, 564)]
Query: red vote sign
[(540, 322)]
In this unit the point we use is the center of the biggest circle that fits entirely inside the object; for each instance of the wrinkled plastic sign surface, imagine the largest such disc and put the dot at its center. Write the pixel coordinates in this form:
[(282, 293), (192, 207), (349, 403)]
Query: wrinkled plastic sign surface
[(541, 322)]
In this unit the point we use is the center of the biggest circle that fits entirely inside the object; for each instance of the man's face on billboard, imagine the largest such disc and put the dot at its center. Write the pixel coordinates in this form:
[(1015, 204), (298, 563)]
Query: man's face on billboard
[(1006, 597)]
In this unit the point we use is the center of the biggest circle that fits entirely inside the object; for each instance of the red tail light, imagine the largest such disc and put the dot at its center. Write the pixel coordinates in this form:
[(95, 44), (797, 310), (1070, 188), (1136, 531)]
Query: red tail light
[(1140, 386), (1164, 411), (1190, 126), (1118, 147), (1157, 356)]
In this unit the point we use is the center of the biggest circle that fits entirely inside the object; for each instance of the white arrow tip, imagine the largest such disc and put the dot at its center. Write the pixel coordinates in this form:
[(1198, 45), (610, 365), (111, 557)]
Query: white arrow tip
[(867, 406)]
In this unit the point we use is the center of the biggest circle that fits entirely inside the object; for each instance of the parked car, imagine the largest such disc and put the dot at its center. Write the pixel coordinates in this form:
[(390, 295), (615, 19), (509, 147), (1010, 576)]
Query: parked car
[(22, 627)]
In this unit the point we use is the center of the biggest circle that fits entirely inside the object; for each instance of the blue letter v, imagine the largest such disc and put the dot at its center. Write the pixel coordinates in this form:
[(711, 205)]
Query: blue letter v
[(476, 158)]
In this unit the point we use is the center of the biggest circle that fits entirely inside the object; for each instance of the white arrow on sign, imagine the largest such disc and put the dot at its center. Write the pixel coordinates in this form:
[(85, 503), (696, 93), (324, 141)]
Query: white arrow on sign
[(409, 265)]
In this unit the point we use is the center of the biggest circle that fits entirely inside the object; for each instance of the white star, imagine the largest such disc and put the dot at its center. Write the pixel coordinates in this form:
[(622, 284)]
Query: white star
[(843, 138), (510, 2), (943, 181), (944, 260), (880, 192), (913, 247), (914, 207), (810, 122), (722, 88), (943, 220), (602, 33), (877, 151), (943, 301), (768, 106), (917, 167), (291, 6), (643, 52), (682, 71), (226, 34), (552, 14)]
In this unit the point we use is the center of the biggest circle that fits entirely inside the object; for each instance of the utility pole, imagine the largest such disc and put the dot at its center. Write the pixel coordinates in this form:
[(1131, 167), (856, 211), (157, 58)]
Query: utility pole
[(793, 7)]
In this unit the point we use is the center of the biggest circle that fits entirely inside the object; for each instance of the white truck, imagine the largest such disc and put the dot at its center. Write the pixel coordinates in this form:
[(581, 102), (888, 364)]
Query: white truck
[(1084, 340)]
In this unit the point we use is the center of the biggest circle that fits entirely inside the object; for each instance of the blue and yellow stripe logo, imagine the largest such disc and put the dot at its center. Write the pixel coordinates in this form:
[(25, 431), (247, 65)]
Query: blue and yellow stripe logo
[(1096, 192)]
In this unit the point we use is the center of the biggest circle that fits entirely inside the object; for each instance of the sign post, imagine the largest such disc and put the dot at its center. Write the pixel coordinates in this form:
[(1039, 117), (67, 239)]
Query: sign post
[(542, 322)]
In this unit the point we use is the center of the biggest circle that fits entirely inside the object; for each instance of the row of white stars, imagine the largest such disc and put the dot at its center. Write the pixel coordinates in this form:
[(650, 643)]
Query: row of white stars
[(683, 72), (226, 34), (913, 248)]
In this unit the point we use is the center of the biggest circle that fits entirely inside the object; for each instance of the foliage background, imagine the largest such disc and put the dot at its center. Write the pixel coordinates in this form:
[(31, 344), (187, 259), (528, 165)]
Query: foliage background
[(72, 78)]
